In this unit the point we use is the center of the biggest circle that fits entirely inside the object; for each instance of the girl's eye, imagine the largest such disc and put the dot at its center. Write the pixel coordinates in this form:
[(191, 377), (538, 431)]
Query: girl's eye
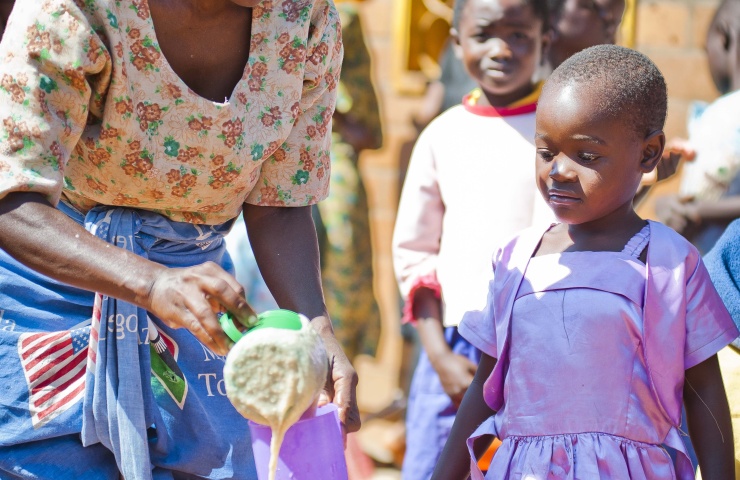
[(545, 155), (588, 157), (519, 35)]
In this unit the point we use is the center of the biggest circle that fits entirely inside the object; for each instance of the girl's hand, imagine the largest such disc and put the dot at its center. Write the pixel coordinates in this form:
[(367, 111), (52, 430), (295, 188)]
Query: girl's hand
[(456, 373), (192, 297)]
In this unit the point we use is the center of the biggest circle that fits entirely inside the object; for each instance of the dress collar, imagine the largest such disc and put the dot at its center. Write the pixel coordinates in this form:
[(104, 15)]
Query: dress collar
[(524, 105)]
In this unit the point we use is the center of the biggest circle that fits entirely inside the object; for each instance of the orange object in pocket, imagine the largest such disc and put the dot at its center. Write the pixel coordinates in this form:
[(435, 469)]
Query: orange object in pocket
[(485, 460)]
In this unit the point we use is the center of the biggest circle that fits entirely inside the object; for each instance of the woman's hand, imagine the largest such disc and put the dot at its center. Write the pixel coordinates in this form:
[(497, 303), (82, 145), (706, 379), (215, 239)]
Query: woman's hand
[(46, 240), (341, 386), (193, 297)]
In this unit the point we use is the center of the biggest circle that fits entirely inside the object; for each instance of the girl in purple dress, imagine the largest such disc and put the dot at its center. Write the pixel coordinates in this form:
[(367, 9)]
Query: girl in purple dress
[(598, 328)]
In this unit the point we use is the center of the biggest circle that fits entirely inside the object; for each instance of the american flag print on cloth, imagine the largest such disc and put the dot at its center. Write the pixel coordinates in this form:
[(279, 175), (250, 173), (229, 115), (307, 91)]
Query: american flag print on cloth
[(94, 332), (54, 366)]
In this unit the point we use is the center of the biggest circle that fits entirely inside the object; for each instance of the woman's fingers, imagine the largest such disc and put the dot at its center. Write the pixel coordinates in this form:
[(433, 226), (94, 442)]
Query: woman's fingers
[(194, 325), (343, 387), (227, 292), (206, 321), (191, 297)]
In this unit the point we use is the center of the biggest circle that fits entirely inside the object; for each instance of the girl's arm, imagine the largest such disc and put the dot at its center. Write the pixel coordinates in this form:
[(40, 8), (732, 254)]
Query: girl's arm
[(455, 371), (454, 463), (709, 420)]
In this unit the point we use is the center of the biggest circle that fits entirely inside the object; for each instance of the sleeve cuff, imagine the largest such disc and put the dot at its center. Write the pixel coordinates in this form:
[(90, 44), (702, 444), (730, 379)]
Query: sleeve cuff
[(427, 281), (699, 355), (476, 339)]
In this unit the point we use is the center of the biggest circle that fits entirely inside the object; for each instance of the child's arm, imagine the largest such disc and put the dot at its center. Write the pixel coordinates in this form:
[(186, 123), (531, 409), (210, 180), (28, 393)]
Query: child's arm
[(675, 150), (708, 415), (455, 371), (454, 463)]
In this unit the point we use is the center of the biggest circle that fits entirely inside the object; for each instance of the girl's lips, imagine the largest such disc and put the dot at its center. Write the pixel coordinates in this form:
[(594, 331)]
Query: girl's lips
[(497, 70), (562, 197)]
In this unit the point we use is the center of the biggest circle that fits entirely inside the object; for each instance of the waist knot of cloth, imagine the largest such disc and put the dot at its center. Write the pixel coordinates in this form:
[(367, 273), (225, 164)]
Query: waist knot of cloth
[(119, 407)]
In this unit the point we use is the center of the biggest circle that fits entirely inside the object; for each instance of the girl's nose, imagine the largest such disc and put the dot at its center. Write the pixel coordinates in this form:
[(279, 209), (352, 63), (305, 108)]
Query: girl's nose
[(561, 170), (498, 49)]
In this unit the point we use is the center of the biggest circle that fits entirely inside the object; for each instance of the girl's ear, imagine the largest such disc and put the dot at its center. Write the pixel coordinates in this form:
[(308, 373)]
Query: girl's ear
[(455, 37), (652, 150)]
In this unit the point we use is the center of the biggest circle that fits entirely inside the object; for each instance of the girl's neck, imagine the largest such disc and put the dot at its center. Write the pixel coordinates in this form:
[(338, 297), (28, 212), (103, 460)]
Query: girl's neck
[(489, 99), (608, 234)]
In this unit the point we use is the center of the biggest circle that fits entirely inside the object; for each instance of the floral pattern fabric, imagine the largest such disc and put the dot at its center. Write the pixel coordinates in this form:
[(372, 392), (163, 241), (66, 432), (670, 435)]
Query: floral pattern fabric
[(91, 111)]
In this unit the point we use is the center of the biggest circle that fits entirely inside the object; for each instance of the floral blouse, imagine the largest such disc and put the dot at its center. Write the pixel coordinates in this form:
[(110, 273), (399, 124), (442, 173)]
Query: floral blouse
[(91, 111)]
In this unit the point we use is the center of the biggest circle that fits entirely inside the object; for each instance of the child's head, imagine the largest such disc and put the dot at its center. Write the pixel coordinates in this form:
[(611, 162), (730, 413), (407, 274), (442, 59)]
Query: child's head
[(599, 128), (723, 49), (500, 43), (579, 24)]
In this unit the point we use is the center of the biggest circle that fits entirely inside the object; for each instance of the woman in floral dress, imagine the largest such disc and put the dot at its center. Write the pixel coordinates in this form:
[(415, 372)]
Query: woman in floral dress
[(132, 133)]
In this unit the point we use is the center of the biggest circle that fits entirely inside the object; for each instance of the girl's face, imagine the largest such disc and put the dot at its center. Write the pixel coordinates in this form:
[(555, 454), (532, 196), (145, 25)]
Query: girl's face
[(584, 23), (500, 43), (588, 165)]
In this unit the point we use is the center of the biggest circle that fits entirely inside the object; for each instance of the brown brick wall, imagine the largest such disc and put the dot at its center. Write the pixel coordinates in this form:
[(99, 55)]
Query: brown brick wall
[(672, 33)]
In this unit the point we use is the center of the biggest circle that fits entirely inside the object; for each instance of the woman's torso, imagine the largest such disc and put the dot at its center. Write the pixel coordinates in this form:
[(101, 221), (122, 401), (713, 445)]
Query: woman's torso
[(150, 141)]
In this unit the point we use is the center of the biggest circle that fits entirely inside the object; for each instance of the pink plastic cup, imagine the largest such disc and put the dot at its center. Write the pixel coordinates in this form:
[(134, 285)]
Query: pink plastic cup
[(312, 449)]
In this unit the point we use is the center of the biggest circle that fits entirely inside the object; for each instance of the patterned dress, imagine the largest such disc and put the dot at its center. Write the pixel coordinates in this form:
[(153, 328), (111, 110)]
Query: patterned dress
[(93, 117), (92, 111)]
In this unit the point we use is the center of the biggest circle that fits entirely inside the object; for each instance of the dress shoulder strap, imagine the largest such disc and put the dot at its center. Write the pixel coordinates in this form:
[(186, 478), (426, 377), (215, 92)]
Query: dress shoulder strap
[(638, 242)]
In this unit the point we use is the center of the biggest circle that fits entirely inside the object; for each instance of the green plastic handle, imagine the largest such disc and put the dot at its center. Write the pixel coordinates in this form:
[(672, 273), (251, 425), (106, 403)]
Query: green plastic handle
[(285, 319), (227, 324)]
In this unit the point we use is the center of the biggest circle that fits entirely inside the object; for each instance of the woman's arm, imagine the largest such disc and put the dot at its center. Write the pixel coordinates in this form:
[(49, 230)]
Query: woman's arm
[(454, 463), (286, 249), (47, 241), (709, 420)]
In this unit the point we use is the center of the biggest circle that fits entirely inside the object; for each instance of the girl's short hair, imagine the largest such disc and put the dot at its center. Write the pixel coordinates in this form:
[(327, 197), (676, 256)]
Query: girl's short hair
[(630, 85), (540, 7)]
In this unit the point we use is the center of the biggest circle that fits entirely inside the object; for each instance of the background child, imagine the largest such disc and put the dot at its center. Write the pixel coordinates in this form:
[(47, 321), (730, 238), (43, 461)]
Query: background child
[(468, 187), (589, 363), (710, 186), (579, 24)]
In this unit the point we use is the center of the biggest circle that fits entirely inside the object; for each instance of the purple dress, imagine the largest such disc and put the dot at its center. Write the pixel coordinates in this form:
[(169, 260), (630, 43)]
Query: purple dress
[(578, 399)]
